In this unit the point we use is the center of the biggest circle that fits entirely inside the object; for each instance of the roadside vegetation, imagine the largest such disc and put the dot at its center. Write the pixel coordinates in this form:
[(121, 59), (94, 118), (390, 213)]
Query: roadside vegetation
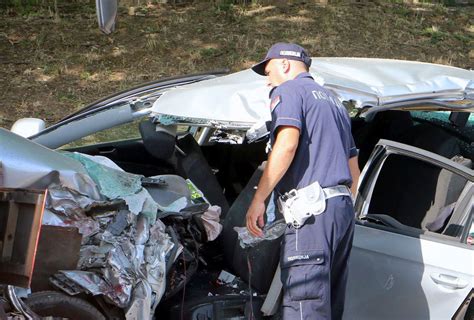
[(53, 60)]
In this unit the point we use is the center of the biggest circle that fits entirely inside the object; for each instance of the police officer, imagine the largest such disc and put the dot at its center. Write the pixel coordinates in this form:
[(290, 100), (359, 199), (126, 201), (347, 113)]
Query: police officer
[(311, 143)]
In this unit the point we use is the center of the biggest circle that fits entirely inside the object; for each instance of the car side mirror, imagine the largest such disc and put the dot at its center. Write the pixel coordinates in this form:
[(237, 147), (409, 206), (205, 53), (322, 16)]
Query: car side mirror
[(27, 127)]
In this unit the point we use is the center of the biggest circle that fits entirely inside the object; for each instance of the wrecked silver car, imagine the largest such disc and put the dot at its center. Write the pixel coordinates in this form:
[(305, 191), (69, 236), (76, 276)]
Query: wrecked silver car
[(156, 182)]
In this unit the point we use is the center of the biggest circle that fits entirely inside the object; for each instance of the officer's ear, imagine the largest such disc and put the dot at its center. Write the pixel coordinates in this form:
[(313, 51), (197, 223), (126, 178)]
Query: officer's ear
[(285, 63)]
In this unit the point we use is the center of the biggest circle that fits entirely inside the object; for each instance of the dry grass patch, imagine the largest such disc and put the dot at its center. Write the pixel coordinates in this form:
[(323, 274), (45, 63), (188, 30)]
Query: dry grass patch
[(49, 68)]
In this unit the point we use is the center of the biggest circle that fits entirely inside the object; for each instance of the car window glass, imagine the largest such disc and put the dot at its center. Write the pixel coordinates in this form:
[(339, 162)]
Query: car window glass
[(412, 194), (125, 131), (441, 119), (121, 132)]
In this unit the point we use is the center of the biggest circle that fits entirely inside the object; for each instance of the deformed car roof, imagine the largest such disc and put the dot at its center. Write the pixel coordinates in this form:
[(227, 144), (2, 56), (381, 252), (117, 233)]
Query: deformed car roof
[(242, 97)]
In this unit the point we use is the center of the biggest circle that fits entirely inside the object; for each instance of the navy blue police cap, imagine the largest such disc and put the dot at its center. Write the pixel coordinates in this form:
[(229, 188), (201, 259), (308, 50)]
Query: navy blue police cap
[(283, 50)]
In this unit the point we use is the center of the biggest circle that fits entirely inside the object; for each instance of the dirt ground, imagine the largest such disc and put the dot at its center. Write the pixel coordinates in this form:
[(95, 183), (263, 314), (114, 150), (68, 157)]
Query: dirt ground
[(51, 67)]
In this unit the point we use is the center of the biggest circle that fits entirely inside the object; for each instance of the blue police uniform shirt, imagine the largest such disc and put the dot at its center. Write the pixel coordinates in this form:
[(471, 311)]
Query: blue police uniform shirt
[(325, 143)]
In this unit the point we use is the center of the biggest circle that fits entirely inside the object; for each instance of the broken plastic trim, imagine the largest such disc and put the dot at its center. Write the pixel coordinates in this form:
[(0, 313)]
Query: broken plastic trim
[(168, 120)]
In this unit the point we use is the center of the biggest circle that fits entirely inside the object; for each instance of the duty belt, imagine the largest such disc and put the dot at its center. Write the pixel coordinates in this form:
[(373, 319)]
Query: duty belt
[(299, 205)]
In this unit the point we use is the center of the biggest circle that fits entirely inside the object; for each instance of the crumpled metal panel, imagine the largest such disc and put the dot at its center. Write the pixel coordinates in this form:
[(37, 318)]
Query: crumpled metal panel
[(156, 250), (382, 81), (142, 230), (126, 263), (127, 251), (87, 280), (242, 97), (70, 206), (25, 164), (239, 97), (124, 246), (141, 302), (92, 256)]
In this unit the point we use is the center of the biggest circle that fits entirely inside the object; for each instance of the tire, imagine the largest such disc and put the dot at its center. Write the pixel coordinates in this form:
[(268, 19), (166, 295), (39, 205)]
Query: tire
[(56, 304)]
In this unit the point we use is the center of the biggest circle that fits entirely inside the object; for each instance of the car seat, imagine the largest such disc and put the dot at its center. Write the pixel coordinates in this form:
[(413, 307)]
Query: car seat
[(195, 167), (160, 144), (188, 162), (448, 189), (263, 259)]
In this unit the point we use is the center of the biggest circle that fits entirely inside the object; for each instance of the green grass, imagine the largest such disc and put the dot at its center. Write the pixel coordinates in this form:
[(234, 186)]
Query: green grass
[(435, 34)]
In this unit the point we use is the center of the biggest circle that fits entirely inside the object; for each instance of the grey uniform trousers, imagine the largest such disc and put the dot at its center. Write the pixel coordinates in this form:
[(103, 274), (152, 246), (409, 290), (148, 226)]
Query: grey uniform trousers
[(314, 263)]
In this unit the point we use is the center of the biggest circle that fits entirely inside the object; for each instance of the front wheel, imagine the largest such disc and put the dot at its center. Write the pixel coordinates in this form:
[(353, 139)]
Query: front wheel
[(58, 305)]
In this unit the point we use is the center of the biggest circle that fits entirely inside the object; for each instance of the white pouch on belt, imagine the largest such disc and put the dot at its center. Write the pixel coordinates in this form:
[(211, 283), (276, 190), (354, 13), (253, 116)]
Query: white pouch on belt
[(299, 205), (302, 204)]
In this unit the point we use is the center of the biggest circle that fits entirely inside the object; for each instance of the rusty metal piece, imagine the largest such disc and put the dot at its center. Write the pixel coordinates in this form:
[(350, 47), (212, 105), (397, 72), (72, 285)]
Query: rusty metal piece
[(58, 249), (21, 212)]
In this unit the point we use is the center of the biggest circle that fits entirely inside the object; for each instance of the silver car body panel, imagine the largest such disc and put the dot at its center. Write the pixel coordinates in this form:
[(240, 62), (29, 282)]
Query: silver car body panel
[(406, 276), (26, 164), (394, 276), (378, 82), (242, 97), (238, 99)]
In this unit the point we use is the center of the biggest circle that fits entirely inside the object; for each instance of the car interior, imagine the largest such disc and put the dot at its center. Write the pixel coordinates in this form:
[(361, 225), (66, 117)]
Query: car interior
[(427, 197)]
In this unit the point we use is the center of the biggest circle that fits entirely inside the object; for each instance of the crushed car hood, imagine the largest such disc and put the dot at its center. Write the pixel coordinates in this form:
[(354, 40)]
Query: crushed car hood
[(241, 98)]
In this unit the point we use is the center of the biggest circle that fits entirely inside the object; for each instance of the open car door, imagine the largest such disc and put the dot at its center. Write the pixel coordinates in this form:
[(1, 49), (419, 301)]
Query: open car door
[(411, 258)]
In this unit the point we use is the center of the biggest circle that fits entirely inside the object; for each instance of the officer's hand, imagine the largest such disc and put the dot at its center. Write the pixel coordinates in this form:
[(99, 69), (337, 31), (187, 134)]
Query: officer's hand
[(255, 218)]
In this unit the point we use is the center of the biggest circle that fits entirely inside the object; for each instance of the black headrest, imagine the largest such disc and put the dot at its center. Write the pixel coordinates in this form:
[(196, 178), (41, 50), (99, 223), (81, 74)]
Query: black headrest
[(158, 141), (392, 123)]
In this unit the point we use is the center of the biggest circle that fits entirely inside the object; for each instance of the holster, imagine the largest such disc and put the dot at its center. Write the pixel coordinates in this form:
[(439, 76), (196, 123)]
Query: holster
[(298, 205)]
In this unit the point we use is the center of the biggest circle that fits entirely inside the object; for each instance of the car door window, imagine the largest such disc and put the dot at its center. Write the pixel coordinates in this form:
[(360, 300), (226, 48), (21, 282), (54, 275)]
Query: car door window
[(415, 195), (122, 132), (127, 131)]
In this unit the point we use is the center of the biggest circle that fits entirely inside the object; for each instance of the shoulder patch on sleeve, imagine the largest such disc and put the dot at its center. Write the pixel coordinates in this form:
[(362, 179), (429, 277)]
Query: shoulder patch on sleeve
[(274, 103)]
